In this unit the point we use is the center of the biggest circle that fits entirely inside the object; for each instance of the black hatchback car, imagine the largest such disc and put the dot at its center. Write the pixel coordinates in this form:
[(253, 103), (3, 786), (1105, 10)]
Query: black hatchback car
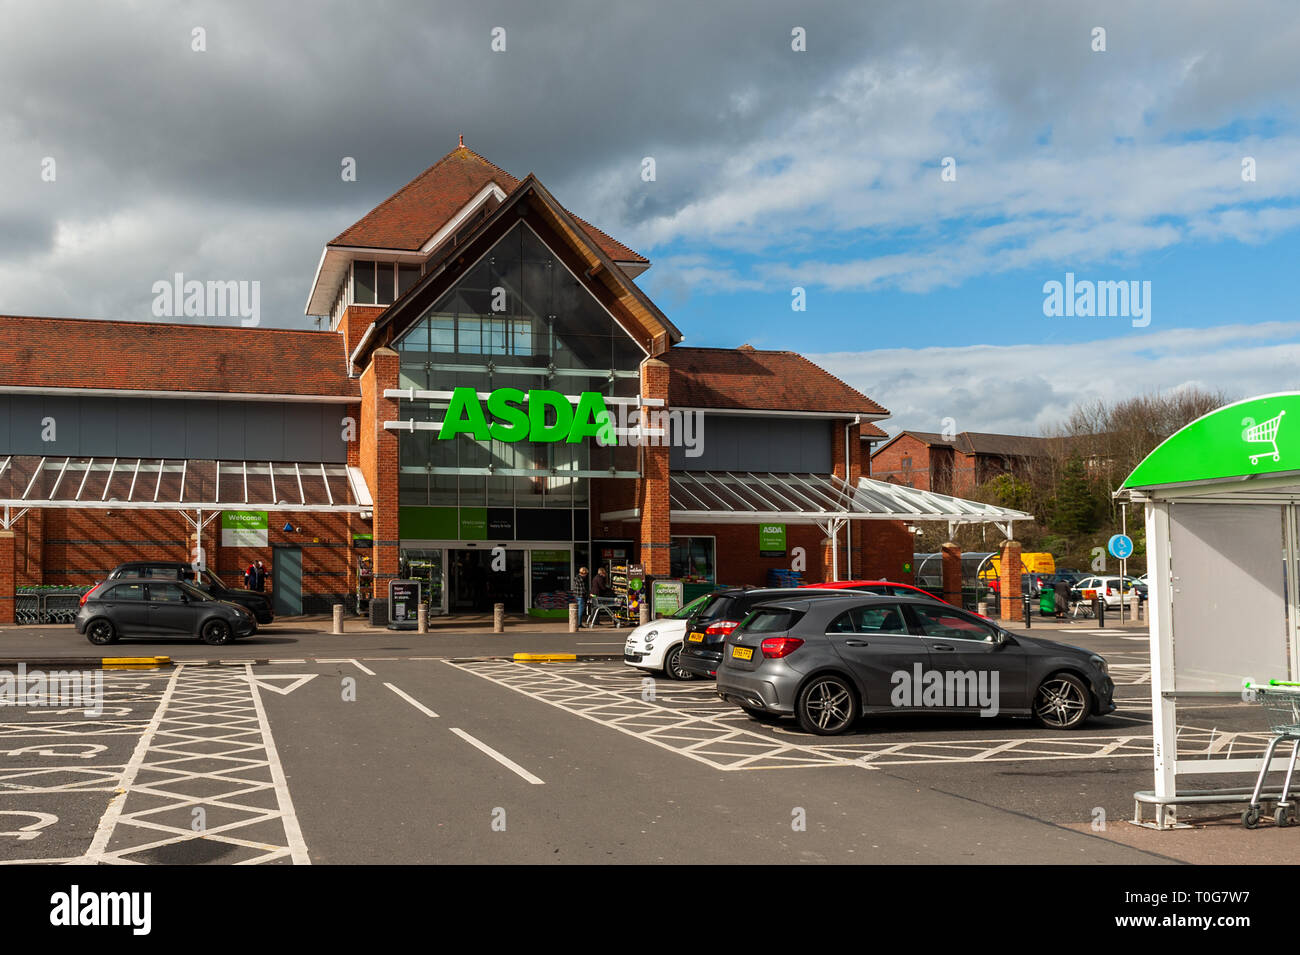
[(708, 627), (258, 603), (150, 607)]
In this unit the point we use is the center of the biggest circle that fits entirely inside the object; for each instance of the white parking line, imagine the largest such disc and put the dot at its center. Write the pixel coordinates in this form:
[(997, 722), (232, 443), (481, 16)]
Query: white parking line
[(288, 816), (416, 703), (504, 761), (364, 669)]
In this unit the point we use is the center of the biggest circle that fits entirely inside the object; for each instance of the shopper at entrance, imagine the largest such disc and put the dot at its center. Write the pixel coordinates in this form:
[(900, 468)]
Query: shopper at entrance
[(600, 585), (250, 577), (582, 591), (259, 583)]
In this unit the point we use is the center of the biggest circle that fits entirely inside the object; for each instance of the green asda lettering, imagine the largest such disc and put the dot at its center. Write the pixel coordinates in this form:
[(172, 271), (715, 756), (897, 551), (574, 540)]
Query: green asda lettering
[(539, 416)]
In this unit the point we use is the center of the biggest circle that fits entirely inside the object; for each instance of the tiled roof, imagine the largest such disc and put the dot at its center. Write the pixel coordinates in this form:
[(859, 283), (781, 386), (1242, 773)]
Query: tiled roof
[(977, 442), (411, 216), (58, 353), (748, 379)]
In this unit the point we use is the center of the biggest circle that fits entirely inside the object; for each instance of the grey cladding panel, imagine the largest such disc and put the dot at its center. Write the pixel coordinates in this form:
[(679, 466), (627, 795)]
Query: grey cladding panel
[(745, 443)]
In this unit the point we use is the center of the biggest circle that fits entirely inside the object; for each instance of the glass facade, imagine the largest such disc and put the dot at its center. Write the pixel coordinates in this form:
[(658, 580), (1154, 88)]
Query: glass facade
[(519, 319)]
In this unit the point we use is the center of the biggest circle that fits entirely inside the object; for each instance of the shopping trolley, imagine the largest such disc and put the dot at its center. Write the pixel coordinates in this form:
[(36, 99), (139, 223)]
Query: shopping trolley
[(1281, 702), (1265, 433)]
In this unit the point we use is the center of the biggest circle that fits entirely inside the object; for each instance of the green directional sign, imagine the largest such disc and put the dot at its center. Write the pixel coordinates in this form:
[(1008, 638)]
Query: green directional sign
[(1256, 436)]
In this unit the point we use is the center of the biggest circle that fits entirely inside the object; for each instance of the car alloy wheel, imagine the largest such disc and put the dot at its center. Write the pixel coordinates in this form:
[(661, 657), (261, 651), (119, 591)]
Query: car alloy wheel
[(1061, 702), (827, 706), (101, 632), (216, 633), (673, 665)]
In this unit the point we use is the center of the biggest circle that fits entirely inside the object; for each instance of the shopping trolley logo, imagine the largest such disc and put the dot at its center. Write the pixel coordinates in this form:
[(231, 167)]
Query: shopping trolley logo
[(1265, 433)]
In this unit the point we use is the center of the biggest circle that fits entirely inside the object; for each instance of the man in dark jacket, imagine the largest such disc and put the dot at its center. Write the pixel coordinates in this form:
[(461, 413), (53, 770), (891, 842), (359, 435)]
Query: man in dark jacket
[(600, 585), (582, 590), (250, 577)]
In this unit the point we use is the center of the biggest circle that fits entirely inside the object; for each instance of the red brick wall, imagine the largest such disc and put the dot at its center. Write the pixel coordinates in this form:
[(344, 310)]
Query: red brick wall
[(378, 455), (887, 463), (356, 319), (80, 547), (736, 551), (7, 577), (652, 491), (882, 549)]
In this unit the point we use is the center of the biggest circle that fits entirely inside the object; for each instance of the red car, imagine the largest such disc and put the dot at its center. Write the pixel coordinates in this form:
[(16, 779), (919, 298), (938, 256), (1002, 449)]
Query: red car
[(889, 587)]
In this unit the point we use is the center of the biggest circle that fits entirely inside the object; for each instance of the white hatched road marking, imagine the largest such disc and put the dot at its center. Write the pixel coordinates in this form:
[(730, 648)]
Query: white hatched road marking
[(508, 763), (689, 719), (206, 716)]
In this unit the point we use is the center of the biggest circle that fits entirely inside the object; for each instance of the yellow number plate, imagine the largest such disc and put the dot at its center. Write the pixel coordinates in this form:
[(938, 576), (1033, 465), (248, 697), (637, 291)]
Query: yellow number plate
[(742, 653), (696, 638)]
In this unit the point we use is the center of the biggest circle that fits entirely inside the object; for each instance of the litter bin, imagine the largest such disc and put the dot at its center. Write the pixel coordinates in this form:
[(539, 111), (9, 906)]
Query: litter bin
[(1047, 602)]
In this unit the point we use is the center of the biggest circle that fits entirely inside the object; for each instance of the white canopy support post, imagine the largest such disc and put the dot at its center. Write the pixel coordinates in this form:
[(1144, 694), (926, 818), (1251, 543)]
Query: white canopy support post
[(952, 529), (1164, 724)]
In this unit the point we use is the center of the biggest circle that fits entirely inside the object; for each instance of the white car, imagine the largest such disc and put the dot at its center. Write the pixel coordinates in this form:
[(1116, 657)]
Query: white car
[(657, 645), (1108, 588)]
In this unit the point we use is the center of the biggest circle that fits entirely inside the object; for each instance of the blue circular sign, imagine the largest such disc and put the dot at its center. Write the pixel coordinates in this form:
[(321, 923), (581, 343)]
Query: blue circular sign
[(1121, 546)]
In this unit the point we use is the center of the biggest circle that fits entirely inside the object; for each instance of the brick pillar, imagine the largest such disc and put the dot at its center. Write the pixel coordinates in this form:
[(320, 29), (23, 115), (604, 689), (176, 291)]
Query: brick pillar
[(378, 454), (1009, 582), (952, 573), (656, 523), (8, 577)]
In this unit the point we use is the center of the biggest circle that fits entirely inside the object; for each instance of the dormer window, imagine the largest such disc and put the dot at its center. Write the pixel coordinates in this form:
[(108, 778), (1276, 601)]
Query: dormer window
[(380, 283)]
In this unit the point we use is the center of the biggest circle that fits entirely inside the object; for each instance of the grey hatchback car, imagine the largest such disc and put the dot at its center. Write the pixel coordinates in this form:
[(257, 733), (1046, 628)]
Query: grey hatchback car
[(150, 607), (828, 662)]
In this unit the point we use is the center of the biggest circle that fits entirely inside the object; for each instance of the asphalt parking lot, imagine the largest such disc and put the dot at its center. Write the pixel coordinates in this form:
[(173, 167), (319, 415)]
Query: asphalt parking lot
[(415, 752)]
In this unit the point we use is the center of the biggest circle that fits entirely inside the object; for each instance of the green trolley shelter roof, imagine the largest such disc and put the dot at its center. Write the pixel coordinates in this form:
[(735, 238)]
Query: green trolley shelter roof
[(1255, 437)]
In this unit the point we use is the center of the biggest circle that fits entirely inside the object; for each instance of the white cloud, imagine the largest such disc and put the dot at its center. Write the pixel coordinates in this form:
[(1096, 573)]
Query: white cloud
[(1027, 389)]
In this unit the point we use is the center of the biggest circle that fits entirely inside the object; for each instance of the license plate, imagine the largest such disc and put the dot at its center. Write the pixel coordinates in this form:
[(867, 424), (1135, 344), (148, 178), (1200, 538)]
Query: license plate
[(742, 653), (696, 638)]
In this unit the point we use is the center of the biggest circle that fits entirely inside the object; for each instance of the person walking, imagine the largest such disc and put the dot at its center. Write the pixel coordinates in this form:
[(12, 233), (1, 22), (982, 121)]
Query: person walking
[(600, 585), (250, 577), (260, 579), (582, 590), (1062, 597)]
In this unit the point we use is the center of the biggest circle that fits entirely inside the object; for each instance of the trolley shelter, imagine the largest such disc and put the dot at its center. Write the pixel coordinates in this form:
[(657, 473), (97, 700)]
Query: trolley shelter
[(1222, 502)]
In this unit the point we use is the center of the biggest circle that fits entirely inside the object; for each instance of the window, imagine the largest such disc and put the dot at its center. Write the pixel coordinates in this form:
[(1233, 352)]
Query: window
[(951, 624), (907, 463), (871, 618), (407, 275), (363, 283), (126, 592), (691, 559), (168, 593), (771, 621)]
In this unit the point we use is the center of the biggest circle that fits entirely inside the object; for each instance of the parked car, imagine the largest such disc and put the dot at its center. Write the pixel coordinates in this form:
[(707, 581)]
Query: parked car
[(153, 607), (708, 626), (657, 646), (888, 587), (258, 603), (828, 662), (1109, 589)]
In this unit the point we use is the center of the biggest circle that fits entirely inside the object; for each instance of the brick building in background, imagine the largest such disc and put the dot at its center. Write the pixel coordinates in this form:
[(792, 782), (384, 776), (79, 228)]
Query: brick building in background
[(956, 465), (322, 453)]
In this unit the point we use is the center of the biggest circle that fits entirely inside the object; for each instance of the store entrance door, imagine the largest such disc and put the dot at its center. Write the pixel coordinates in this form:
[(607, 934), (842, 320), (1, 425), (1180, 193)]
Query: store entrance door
[(476, 579)]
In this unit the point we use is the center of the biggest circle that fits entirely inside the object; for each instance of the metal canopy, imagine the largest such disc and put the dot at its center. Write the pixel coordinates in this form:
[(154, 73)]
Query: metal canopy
[(179, 484), (746, 497)]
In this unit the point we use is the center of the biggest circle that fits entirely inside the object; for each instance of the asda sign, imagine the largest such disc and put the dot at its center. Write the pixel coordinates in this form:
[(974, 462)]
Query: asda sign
[(540, 416)]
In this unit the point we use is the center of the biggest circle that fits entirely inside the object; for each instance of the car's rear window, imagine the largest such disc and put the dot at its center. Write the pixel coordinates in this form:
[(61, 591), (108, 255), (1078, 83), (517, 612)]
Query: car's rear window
[(123, 592), (770, 620), (717, 607)]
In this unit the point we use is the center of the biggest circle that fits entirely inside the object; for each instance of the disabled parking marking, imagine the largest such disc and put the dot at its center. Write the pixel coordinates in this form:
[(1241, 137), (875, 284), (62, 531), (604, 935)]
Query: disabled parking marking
[(32, 829), (689, 719)]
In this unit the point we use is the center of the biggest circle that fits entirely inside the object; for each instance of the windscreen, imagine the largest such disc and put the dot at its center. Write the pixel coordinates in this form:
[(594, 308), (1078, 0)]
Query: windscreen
[(771, 620)]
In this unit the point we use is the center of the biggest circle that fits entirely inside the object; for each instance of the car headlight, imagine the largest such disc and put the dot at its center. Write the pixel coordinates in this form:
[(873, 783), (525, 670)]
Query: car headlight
[(1099, 663), (649, 637)]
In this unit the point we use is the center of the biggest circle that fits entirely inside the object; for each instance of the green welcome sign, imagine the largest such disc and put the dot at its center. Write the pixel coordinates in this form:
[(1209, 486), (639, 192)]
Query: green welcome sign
[(540, 416), (771, 540), (1256, 436), (244, 528)]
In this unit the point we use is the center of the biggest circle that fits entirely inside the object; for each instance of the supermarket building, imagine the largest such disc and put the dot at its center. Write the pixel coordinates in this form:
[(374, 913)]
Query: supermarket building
[(325, 454)]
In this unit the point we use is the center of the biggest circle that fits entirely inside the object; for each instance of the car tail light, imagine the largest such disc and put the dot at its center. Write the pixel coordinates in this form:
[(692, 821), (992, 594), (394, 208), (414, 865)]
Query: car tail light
[(721, 628), (776, 647), (86, 595)]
